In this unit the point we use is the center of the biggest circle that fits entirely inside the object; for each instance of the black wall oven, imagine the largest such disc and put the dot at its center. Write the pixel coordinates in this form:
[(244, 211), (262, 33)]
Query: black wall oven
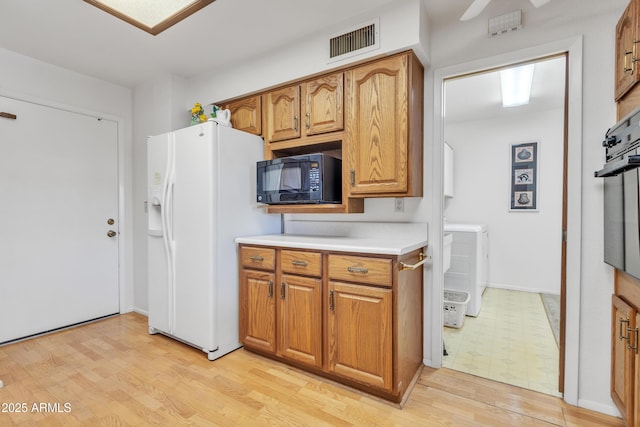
[(621, 176)]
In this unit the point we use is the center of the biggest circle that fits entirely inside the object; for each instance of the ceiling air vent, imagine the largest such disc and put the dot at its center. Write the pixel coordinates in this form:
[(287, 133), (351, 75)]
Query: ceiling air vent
[(362, 39)]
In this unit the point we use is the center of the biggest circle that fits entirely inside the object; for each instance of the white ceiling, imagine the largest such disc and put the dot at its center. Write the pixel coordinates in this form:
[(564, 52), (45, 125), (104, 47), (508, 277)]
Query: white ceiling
[(77, 36), (479, 96)]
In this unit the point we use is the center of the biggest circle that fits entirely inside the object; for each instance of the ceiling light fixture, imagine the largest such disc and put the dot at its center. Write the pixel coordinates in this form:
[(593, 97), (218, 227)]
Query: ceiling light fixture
[(516, 85), (152, 16)]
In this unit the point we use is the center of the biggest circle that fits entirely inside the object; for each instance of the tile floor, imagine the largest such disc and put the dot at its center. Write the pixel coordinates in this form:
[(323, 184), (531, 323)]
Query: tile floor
[(511, 341)]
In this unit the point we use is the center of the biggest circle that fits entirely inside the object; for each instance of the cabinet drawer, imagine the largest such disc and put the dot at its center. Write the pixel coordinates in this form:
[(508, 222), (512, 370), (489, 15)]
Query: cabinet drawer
[(300, 262), (376, 271), (255, 257)]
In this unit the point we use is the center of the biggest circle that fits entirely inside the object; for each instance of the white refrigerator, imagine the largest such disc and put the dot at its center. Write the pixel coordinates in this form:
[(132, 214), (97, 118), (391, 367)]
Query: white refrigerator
[(201, 196)]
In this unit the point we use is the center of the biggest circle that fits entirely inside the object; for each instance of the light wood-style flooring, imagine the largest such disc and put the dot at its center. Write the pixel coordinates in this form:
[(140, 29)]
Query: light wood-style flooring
[(113, 373), (510, 341)]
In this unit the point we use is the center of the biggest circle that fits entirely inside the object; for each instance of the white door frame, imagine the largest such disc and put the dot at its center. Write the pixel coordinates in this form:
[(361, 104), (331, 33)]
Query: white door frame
[(125, 261), (433, 294)]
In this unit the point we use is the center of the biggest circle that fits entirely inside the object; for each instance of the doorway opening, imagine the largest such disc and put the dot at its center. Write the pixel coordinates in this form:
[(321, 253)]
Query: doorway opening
[(509, 179)]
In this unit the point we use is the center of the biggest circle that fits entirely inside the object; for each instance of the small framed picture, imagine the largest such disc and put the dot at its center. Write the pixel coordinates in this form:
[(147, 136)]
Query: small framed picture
[(524, 177), (523, 199), (524, 153)]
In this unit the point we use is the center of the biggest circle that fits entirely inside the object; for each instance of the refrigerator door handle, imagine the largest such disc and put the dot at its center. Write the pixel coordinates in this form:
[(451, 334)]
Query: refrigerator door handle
[(167, 228)]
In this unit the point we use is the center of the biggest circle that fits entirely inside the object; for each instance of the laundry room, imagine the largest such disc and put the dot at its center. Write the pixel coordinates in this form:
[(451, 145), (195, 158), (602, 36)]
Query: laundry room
[(504, 215)]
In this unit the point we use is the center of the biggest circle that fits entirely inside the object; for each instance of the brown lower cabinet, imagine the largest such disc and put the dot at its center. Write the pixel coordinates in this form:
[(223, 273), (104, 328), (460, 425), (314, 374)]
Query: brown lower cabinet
[(625, 360), (354, 318)]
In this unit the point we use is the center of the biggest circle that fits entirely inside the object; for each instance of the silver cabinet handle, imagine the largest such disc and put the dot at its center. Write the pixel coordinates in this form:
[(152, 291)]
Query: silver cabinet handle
[(635, 335), (620, 335), (256, 258), (299, 263), (361, 270), (270, 288)]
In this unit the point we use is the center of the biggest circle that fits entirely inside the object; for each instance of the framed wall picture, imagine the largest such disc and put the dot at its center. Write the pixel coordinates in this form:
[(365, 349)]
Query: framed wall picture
[(524, 177)]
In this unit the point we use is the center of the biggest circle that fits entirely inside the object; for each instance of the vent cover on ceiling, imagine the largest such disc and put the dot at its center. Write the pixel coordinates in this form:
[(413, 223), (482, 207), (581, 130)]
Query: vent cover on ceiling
[(506, 23), (362, 39)]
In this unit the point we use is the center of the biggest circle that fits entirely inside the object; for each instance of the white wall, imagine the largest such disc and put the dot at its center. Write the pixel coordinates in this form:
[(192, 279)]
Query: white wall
[(594, 21), (31, 80), (524, 247), (401, 27), (156, 111)]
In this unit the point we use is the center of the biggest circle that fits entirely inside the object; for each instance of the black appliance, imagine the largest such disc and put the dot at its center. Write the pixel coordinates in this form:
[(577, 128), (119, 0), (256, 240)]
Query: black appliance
[(621, 195), (308, 178)]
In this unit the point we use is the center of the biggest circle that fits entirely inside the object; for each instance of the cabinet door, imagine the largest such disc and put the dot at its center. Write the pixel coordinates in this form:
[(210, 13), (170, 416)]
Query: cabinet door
[(378, 127), (246, 114), (324, 100), (301, 319), (258, 310), (623, 319), (626, 68), (283, 113), (360, 333)]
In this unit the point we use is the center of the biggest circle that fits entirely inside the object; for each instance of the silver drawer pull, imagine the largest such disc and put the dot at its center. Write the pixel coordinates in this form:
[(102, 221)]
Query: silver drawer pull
[(256, 258), (299, 263), (362, 270)]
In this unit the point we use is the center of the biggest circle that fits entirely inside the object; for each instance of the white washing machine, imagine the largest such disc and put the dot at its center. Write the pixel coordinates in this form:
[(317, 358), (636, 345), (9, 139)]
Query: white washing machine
[(469, 270)]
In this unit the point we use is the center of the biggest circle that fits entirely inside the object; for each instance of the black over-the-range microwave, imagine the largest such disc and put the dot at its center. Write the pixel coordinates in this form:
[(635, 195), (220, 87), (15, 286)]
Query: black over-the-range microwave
[(308, 178)]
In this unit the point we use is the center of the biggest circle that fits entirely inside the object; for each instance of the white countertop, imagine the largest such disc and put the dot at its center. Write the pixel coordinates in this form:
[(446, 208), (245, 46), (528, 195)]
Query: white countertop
[(394, 246)]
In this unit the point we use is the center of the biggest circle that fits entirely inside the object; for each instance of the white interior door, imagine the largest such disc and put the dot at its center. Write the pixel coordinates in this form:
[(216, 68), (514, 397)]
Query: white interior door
[(58, 196)]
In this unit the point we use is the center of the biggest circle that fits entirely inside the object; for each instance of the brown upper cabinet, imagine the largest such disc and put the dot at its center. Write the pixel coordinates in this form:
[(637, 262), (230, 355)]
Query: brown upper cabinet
[(283, 114), (324, 104), (384, 128), (627, 74), (246, 114), (370, 115), (320, 111)]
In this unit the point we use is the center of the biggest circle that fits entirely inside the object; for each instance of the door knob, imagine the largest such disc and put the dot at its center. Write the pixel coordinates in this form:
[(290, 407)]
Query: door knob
[(110, 221), (111, 233)]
